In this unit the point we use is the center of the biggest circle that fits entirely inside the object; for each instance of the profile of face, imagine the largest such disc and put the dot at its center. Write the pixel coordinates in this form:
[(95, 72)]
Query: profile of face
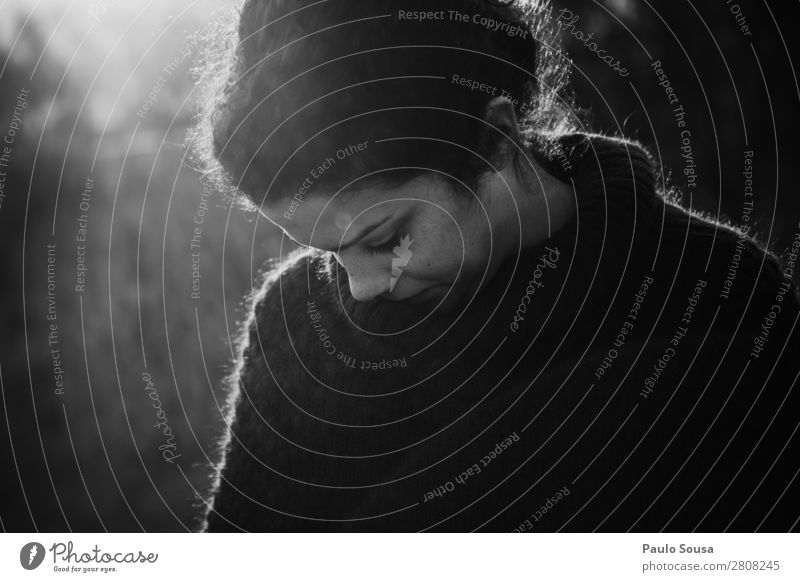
[(416, 243), (422, 242)]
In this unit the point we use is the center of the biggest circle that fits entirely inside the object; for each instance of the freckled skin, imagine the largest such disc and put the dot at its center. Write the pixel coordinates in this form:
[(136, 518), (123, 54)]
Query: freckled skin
[(447, 236), (455, 243)]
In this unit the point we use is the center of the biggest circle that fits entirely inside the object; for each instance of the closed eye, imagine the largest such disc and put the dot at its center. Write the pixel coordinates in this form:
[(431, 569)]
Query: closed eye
[(383, 248)]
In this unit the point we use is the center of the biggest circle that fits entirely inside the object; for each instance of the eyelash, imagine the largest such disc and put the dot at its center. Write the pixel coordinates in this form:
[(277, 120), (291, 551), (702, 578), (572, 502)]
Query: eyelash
[(383, 249)]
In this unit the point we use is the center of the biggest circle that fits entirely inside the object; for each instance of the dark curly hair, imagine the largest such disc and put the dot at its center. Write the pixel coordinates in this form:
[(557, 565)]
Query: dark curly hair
[(303, 79)]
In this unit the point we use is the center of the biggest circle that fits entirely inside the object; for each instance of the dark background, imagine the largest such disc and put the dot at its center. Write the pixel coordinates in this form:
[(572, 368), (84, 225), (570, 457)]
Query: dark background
[(89, 459)]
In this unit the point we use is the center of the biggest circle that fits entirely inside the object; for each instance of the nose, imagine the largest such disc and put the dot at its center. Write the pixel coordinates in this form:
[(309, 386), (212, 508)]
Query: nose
[(363, 289), (366, 276)]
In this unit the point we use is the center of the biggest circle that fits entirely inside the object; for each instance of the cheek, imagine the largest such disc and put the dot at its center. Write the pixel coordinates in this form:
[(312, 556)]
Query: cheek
[(441, 253), (439, 263)]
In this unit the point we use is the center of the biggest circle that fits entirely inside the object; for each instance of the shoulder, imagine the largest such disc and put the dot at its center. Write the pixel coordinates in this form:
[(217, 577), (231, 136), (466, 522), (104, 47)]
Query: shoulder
[(281, 300), (740, 265), (287, 283), (277, 325)]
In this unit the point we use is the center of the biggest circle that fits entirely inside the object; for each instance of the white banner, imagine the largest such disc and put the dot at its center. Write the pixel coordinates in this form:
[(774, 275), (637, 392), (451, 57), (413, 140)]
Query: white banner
[(389, 557)]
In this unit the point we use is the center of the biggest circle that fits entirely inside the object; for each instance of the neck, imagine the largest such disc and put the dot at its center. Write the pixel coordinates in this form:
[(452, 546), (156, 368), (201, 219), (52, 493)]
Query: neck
[(542, 206), (551, 207)]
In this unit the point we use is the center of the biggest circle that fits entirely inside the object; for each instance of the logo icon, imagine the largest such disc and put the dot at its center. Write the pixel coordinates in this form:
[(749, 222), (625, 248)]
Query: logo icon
[(31, 555), (403, 254)]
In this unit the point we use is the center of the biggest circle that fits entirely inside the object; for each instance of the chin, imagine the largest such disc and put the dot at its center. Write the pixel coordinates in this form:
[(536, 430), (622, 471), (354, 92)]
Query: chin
[(443, 299)]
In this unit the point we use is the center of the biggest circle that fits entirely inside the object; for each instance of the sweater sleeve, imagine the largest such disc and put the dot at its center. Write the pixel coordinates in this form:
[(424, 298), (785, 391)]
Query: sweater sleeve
[(280, 471)]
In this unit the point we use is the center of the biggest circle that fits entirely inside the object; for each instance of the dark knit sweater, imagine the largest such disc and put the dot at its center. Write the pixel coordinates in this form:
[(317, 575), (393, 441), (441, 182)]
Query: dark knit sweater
[(631, 373)]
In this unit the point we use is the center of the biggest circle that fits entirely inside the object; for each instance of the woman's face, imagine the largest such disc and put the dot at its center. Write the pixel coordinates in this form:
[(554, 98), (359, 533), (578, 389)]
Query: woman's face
[(413, 243)]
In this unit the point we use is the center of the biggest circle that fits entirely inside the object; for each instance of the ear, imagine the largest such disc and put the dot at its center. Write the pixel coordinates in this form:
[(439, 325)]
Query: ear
[(501, 143)]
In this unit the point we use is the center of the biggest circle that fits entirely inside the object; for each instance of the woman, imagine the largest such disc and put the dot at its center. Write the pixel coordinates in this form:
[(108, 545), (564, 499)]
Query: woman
[(499, 322)]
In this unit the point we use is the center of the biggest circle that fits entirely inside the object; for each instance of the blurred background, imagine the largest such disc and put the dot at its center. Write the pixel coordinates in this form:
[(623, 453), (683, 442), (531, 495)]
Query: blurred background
[(125, 276)]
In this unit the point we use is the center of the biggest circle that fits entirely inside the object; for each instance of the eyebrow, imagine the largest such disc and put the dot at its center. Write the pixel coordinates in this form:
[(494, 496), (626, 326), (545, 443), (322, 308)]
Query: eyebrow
[(355, 239)]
